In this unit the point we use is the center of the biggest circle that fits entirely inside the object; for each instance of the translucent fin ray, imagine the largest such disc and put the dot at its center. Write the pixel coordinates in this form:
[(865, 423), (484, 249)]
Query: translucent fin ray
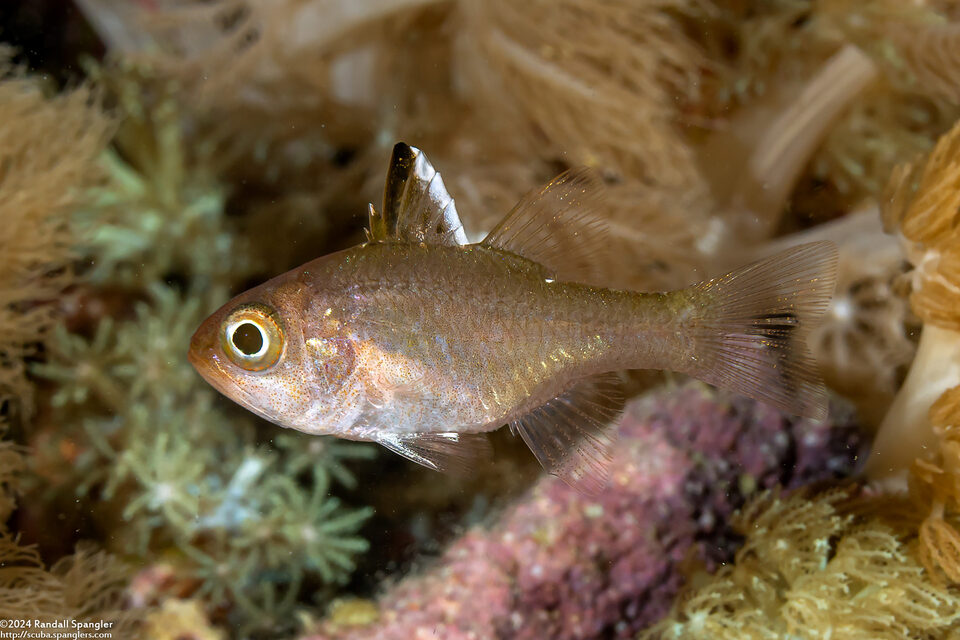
[(752, 337), (458, 452), (572, 435), (416, 205), (557, 227)]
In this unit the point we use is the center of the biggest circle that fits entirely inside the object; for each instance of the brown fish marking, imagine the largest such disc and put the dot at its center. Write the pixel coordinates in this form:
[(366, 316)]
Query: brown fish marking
[(423, 342)]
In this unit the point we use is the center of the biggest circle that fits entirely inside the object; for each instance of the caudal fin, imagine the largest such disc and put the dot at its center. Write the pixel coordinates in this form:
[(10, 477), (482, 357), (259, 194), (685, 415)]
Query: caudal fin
[(751, 336)]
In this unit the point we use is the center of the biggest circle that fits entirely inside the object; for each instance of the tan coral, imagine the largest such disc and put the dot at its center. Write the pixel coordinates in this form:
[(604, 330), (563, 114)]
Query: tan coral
[(808, 569), (923, 197), (920, 432), (601, 81), (86, 586), (755, 162), (921, 203), (935, 486), (180, 620), (932, 55), (890, 120), (12, 465), (48, 151)]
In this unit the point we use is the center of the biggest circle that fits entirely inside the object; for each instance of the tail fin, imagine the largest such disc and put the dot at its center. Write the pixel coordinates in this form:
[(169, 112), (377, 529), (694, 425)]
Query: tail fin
[(751, 336)]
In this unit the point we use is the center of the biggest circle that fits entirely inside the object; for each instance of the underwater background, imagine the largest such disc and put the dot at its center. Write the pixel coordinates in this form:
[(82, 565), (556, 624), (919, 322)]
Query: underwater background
[(160, 156)]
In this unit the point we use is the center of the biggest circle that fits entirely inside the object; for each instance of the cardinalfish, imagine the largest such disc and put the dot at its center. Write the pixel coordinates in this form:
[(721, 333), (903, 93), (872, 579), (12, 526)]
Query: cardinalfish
[(424, 342)]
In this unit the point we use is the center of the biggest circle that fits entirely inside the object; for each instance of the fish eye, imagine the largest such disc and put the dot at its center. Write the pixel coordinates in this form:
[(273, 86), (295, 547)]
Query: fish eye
[(252, 338)]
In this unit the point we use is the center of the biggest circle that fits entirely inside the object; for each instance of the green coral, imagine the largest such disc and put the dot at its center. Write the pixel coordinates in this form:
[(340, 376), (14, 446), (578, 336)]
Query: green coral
[(81, 367), (176, 468), (325, 458), (160, 211)]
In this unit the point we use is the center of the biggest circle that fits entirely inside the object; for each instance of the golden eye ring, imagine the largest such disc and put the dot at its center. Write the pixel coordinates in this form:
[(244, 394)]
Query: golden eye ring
[(252, 338)]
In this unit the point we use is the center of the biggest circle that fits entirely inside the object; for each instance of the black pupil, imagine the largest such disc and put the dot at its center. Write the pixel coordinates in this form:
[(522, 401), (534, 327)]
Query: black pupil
[(248, 339)]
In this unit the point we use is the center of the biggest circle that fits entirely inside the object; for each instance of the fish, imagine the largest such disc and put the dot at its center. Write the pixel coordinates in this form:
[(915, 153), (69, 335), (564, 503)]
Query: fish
[(424, 342)]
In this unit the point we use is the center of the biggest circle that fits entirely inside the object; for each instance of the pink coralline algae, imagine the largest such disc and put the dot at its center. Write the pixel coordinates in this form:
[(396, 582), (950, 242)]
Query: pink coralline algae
[(562, 565)]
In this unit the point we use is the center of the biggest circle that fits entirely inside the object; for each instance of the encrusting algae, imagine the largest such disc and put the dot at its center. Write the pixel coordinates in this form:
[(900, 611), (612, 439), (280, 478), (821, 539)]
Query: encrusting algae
[(562, 565)]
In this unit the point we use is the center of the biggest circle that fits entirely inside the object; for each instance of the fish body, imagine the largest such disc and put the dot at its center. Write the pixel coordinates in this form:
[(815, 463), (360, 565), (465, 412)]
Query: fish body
[(420, 341)]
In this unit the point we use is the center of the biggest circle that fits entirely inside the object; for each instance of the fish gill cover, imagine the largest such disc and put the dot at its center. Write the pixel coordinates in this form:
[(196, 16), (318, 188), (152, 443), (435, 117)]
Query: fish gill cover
[(219, 143)]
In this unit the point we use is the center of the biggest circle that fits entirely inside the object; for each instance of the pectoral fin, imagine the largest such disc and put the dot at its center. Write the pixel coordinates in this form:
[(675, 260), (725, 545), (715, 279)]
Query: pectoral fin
[(441, 451), (573, 435), (416, 205)]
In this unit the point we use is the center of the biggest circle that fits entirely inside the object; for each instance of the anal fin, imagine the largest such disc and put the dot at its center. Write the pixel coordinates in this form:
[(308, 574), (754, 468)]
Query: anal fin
[(447, 451), (573, 435)]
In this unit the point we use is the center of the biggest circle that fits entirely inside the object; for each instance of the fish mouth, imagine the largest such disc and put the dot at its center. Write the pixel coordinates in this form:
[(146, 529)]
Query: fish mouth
[(203, 356), (207, 364)]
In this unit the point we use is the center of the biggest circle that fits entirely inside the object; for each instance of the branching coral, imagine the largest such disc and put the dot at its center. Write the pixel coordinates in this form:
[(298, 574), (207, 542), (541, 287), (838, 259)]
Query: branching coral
[(167, 469), (47, 152), (324, 458), (159, 198), (225, 503), (260, 548), (807, 569)]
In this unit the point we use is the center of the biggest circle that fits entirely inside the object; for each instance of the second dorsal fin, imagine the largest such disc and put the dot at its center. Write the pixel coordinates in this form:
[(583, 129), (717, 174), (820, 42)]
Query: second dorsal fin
[(416, 205), (557, 227)]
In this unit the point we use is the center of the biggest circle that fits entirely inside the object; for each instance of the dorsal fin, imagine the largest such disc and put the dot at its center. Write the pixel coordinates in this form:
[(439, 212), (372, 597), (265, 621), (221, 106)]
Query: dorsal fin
[(416, 205), (557, 227), (573, 434)]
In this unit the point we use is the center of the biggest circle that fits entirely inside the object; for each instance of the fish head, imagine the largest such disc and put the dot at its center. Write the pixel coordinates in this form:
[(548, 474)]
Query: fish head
[(254, 351)]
